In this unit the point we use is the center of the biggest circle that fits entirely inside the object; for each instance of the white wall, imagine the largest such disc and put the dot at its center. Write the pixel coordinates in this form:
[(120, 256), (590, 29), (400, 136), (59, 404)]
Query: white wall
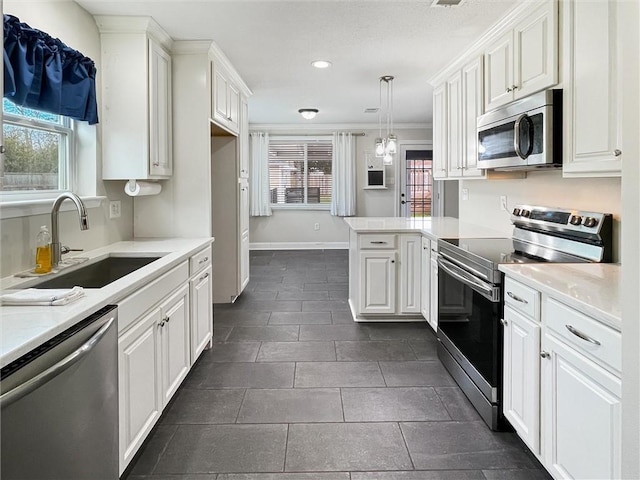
[(545, 189), (74, 26), (296, 226)]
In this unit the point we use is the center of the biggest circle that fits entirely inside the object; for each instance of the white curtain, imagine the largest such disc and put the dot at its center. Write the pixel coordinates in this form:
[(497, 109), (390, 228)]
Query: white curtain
[(259, 178), (343, 199)]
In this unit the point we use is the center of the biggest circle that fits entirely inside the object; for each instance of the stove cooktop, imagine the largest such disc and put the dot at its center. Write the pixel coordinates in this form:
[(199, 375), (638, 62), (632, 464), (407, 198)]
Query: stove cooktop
[(493, 250)]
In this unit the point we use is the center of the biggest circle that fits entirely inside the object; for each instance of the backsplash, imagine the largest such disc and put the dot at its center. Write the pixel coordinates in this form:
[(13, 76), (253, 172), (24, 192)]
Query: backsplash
[(541, 188)]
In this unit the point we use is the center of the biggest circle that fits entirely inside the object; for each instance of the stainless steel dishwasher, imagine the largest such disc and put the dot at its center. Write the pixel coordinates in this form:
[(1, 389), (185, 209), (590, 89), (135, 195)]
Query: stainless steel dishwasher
[(59, 405)]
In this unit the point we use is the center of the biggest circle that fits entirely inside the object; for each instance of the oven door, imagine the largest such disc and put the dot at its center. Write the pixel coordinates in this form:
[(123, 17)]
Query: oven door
[(517, 141), (469, 313)]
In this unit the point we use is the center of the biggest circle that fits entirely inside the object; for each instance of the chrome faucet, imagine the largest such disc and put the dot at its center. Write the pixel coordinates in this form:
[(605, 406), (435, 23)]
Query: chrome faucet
[(56, 249)]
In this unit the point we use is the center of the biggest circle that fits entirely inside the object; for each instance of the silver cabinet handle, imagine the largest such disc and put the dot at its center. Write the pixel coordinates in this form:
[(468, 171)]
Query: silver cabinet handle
[(379, 242), (617, 152), (544, 354), (204, 276), (504, 322), (32, 384), (517, 298), (161, 324), (393, 261), (508, 89), (205, 259), (581, 335), (514, 87)]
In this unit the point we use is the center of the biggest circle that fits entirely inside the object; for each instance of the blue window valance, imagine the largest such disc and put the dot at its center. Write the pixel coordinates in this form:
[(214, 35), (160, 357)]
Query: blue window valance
[(42, 73)]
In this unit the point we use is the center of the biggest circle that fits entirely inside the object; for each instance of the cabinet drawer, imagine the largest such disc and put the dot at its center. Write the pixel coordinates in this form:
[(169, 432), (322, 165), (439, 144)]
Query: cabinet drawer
[(382, 241), (130, 308), (524, 299), (200, 260), (589, 336)]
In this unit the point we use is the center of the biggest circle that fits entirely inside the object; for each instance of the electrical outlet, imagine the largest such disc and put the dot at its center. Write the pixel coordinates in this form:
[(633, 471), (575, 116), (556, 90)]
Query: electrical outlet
[(316, 226), (503, 203), (465, 194), (115, 209)]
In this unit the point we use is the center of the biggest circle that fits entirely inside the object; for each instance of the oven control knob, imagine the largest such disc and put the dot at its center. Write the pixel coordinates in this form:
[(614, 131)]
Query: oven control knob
[(575, 220), (516, 211), (590, 222), (525, 213)]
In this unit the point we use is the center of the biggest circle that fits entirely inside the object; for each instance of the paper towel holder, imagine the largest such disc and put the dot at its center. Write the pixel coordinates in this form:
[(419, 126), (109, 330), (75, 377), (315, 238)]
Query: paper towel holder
[(134, 188)]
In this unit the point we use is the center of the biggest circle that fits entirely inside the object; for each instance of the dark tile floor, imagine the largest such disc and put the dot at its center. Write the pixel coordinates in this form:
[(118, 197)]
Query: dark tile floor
[(293, 389)]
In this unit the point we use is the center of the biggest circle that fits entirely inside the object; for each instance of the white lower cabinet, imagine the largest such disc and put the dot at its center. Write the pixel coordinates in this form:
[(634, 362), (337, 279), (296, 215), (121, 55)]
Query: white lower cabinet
[(433, 307), (582, 415), (201, 312), (425, 281), (139, 386), (521, 376), (377, 282), (385, 276), (562, 386)]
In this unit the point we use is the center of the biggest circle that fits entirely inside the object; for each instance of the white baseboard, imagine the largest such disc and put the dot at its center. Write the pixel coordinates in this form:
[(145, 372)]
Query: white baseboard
[(299, 246)]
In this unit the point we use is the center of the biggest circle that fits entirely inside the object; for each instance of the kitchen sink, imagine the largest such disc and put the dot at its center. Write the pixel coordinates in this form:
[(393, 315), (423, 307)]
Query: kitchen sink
[(98, 274)]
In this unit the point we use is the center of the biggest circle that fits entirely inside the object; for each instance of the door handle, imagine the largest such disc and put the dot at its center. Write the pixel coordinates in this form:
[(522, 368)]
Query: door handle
[(516, 136)]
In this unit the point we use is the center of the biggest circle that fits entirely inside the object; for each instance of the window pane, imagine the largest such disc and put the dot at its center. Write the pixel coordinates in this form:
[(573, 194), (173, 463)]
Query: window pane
[(31, 159), (319, 162), (300, 172), (13, 109)]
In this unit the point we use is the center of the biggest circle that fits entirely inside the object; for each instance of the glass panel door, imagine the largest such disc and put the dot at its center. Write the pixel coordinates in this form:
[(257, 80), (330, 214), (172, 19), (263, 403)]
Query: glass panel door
[(417, 181)]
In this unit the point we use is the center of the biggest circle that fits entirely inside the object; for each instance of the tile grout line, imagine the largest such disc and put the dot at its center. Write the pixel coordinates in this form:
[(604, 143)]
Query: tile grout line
[(286, 449), (406, 446), (244, 395)]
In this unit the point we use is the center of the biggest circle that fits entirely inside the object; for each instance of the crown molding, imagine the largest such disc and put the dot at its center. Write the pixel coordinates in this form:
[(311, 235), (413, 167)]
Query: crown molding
[(330, 127), (218, 57), (190, 47), (133, 24)]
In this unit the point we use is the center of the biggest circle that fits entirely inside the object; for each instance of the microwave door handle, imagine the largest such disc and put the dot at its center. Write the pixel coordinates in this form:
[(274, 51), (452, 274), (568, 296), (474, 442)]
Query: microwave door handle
[(516, 136)]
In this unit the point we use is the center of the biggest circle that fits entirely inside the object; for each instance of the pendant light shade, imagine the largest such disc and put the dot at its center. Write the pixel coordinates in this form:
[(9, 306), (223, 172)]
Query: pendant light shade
[(386, 146)]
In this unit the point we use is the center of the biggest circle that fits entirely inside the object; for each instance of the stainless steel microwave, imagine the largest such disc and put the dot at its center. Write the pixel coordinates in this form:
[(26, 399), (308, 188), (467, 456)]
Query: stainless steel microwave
[(524, 134)]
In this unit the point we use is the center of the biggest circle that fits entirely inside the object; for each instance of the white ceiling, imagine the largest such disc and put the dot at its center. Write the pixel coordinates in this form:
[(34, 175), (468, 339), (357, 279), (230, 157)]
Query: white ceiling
[(271, 43)]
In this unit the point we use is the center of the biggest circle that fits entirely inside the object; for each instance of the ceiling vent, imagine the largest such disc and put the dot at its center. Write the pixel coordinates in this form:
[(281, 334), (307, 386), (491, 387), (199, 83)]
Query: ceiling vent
[(447, 3), (371, 110)]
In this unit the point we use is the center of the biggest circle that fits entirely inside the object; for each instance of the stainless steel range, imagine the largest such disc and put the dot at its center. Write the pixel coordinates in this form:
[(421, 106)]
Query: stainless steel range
[(470, 293)]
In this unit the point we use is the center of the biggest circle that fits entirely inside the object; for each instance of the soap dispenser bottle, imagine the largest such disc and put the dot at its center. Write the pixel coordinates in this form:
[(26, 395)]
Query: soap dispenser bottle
[(43, 251)]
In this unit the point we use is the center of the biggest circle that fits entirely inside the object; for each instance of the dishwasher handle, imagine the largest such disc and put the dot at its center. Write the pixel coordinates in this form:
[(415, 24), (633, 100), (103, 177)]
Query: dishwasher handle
[(33, 383)]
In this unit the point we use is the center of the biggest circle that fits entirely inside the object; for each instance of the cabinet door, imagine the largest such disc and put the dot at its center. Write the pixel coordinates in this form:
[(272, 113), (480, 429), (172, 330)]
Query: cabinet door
[(243, 207), (160, 133), (440, 131), (454, 125), (139, 387), (243, 135), (219, 95), (377, 282), (174, 336), (521, 377), (536, 50), (425, 277), (593, 94), (498, 73), (233, 106), (472, 107), (433, 307), (201, 313), (582, 415), (244, 261), (410, 258)]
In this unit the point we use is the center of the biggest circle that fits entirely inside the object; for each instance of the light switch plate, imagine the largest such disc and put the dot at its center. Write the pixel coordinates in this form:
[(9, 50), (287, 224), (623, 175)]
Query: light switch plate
[(465, 194)]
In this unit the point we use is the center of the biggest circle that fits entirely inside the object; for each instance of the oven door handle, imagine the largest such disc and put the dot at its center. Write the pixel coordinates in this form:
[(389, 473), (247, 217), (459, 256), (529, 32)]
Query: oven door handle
[(487, 290)]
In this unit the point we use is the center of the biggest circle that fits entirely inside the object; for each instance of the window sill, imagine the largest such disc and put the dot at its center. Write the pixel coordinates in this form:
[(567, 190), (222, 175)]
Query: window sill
[(308, 206), (26, 208)]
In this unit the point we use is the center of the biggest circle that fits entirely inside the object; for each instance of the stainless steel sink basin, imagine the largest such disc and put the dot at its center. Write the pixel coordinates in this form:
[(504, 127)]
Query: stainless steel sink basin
[(98, 274)]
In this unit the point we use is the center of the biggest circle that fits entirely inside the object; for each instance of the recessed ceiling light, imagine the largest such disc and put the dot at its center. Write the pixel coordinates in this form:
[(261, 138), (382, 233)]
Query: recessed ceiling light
[(308, 113), (321, 64)]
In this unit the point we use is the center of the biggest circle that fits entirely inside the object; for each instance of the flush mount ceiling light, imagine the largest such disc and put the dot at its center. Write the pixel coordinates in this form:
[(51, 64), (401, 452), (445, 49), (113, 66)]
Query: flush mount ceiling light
[(321, 63), (447, 3), (386, 146), (308, 113)]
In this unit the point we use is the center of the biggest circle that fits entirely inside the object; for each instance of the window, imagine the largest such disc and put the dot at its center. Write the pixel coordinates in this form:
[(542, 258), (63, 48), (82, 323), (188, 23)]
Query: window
[(38, 151), (419, 182), (300, 172)]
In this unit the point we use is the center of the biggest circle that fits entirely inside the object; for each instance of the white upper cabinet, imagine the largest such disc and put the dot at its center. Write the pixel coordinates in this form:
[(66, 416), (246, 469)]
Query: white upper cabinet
[(592, 93), (454, 135), (472, 107), (226, 99), (136, 93), (440, 132), (524, 59)]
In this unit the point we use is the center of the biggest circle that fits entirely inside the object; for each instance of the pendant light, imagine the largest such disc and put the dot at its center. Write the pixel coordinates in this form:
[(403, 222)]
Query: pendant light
[(386, 147)]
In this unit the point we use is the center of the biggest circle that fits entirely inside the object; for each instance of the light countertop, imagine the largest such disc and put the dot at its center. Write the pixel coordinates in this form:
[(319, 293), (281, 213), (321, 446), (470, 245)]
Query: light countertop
[(592, 288), (434, 227), (25, 327)]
